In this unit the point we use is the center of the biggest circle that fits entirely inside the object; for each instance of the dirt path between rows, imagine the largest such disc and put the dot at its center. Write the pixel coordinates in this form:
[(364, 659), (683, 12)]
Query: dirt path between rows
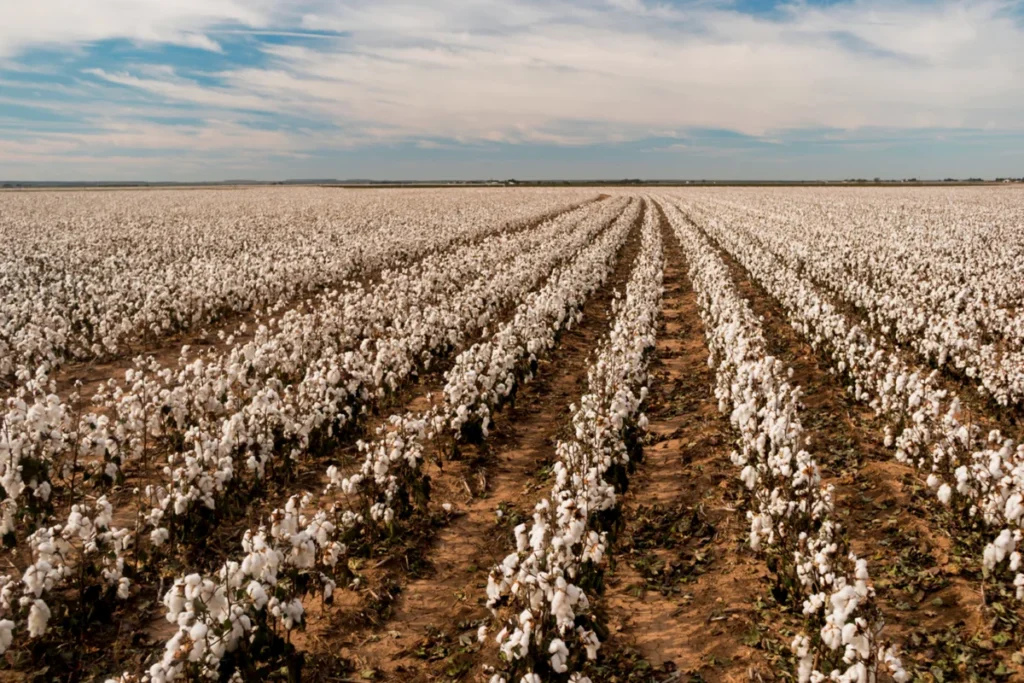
[(682, 591), (430, 632)]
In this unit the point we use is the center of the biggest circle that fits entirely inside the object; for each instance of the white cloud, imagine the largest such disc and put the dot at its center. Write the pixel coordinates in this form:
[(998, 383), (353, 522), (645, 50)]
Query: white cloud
[(57, 23), (532, 72), (560, 72)]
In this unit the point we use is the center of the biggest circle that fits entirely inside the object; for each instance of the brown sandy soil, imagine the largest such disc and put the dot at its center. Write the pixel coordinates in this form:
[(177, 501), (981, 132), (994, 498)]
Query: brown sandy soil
[(931, 603), (684, 585), (430, 632)]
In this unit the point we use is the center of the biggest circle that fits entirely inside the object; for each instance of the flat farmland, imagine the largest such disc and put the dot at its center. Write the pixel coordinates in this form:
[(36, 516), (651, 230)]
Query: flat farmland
[(512, 435)]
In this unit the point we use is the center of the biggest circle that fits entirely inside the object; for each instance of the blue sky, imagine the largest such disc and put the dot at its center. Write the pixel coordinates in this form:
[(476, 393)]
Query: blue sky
[(273, 89)]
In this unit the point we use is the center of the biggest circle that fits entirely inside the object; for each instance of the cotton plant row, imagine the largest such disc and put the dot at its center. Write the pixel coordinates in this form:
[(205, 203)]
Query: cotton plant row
[(258, 426), (301, 551), (949, 328), (792, 517), (235, 453), (539, 593), (41, 436), (362, 338), (981, 475), (944, 251), (85, 539), (91, 275), (207, 397), (486, 374), (941, 277)]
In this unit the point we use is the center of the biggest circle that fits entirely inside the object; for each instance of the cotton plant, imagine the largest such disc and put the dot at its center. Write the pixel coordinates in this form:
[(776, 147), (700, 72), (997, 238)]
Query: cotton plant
[(68, 560), (546, 628)]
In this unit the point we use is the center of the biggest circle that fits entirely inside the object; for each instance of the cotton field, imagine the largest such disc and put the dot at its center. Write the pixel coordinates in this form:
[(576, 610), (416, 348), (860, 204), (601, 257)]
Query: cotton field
[(512, 435)]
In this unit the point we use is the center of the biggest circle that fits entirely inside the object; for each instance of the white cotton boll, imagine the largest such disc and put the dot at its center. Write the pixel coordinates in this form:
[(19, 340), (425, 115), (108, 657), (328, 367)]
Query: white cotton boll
[(530, 678), (159, 536), (832, 635), (43, 491), (493, 591), (123, 586), (559, 654), (749, 476), (522, 540), (590, 642), (257, 594), (804, 669), (1014, 507), (945, 493), (6, 634), (988, 558), (813, 603), (198, 631), (38, 616)]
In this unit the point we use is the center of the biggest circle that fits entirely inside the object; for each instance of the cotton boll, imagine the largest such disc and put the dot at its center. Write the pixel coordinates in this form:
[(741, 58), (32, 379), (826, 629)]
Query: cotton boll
[(38, 616), (159, 536), (6, 634)]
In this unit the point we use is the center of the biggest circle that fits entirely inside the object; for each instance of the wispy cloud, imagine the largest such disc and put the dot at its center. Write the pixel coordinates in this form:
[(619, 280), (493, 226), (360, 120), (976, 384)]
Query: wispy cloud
[(311, 76)]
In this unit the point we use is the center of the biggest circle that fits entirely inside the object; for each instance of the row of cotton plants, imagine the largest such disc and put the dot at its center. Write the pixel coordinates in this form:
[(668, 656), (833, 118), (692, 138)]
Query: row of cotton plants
[(923, 306), (980, 474), (792, 521), (234, 450), (239, 448), (382, 333), (238, 617), (946, 251), (94, 274), (538, 595)]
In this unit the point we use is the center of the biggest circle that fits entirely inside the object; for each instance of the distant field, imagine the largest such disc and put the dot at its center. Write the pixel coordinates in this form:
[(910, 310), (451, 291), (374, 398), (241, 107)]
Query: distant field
[(512, 434)]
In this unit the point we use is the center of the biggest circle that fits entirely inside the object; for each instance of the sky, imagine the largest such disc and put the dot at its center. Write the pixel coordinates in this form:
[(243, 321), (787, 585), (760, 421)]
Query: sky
[(533, 89)]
